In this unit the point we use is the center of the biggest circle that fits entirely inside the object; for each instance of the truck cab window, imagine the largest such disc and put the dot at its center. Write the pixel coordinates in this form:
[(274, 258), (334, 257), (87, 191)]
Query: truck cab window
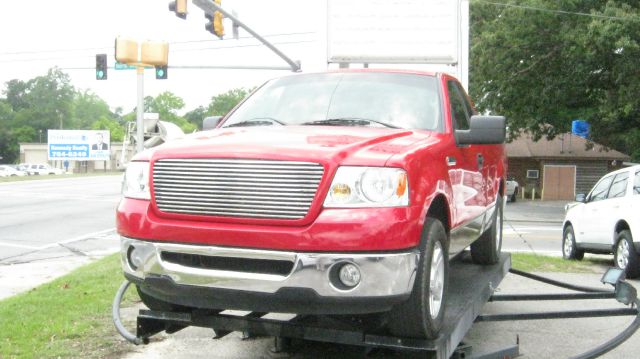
[(459, 114)]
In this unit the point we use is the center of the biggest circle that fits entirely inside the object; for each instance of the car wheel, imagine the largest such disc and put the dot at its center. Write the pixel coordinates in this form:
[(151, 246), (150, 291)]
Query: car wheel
[(569, 248), (626, 257), (422, 315), (514, 196), (486, 250)]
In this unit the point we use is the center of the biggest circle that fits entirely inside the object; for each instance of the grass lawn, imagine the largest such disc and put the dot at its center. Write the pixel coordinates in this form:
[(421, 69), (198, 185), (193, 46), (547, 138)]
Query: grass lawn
[(69, 317), (536, 263)]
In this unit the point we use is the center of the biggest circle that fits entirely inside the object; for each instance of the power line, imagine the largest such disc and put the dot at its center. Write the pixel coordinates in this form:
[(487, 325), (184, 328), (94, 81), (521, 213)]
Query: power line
[(562, 12), (172, 51), (241, 46), (33, 52)]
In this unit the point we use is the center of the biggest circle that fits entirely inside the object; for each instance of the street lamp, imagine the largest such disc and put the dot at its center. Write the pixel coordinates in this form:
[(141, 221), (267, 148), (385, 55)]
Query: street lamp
[(40, 135)]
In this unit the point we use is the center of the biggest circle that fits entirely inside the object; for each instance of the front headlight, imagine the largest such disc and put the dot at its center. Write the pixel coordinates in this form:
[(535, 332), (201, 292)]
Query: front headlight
[(136, 181), (368, 187)]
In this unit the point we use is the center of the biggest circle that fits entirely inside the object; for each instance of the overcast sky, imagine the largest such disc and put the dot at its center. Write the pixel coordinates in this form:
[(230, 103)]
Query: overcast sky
[(40, 34)]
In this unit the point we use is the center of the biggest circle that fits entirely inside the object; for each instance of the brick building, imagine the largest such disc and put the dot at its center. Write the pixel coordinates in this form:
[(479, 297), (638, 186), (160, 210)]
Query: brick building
[(560, 168)]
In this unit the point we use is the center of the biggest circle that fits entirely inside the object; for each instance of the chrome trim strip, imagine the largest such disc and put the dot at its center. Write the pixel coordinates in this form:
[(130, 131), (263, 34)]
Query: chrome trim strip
[(383, 274)]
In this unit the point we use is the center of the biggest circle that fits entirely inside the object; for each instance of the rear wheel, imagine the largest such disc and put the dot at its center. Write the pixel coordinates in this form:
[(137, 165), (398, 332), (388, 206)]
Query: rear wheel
[(626, 257), (514, 196), (569, 248), (421, 316), (486, 250)]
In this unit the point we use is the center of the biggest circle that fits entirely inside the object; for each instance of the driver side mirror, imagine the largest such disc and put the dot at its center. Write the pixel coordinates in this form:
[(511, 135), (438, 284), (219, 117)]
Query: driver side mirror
[(209, 123), (581, 197), (483, 130)]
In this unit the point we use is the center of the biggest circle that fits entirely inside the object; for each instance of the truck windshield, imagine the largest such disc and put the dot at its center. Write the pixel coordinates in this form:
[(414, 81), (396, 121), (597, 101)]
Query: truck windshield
[(389, 100)]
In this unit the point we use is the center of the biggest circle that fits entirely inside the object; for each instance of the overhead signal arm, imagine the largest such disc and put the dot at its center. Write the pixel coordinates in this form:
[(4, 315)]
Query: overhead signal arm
[(212, 8)]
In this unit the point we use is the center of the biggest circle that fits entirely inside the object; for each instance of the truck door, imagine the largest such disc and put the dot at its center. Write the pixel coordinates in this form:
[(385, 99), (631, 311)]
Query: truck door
[(466, 164)]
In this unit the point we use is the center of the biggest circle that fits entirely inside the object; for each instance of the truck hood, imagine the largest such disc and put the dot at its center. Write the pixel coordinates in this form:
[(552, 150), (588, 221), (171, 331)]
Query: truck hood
[(322, 144)]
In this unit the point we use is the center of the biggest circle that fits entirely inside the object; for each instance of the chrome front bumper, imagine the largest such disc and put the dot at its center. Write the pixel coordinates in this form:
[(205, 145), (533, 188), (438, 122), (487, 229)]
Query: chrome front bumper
[(382, 274)]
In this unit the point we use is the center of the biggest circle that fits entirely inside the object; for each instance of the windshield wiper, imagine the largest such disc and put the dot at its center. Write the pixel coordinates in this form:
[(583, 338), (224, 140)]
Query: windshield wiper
[(348, 121), (262, 121)]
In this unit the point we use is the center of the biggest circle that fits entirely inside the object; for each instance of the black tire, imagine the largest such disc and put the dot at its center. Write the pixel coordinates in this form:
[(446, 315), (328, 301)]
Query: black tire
[(486, 249), (570, 250), (625, 255), (514, 196), (154, 303), (414, 318)]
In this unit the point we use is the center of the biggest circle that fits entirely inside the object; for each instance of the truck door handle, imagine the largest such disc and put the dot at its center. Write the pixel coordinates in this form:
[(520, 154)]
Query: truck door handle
[(480, 161)]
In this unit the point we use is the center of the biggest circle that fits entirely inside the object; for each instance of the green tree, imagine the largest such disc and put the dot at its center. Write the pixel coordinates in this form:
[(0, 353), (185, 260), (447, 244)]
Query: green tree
[(116, 130), (166, 105), (7, 143), (221, 104), (196, 116), (542, 65), (88, 108)]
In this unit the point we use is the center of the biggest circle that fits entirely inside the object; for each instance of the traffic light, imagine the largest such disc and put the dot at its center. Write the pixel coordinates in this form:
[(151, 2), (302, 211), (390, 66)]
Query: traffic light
[(215, 25), (161, 72), (179, 7), (101, 66)]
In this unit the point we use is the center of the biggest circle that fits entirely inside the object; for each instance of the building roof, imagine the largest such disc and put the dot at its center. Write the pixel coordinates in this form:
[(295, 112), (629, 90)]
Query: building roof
[(565, 146)]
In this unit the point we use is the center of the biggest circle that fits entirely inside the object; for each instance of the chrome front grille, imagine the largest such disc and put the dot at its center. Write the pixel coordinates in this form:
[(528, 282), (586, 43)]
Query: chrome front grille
[(236, 188)]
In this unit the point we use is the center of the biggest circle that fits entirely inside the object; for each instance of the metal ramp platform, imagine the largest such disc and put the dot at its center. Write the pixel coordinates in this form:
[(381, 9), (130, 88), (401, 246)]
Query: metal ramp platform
[(470, 287)]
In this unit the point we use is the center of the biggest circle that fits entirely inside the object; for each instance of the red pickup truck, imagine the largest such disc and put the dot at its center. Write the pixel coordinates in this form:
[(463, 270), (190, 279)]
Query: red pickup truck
[(330, 193)]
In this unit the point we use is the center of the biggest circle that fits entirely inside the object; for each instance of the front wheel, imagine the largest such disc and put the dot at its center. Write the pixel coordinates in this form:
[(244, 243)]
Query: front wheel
[(626, 257), (486, 249), (421, 316), (569, 248)]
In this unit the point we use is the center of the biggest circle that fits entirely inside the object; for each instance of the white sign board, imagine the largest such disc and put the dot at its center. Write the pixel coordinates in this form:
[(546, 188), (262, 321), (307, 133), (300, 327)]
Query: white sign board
[(394, 31), (79, 145)]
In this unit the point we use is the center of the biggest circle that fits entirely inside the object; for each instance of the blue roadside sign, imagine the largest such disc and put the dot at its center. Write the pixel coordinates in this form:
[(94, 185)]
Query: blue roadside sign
[(121, 66)]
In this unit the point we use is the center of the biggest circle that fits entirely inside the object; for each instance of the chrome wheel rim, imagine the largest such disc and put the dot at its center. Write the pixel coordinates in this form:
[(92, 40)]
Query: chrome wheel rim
[(622, 255), (436, 281), (568, 244)]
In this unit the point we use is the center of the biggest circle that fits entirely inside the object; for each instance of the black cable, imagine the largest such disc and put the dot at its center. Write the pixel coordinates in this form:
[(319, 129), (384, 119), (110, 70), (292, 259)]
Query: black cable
[(557, 283), (615, 341)]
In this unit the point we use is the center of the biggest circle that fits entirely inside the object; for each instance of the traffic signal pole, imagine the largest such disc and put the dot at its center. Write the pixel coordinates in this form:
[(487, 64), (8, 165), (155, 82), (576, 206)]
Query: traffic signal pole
[(140, 108), (210, 7)]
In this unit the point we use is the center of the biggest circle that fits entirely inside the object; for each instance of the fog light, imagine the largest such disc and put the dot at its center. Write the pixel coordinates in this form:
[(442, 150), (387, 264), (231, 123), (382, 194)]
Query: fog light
[(349, 275), (134, 258)]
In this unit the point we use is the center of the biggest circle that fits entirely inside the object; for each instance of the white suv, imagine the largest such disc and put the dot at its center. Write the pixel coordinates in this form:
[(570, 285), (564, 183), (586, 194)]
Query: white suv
[(607, 220)]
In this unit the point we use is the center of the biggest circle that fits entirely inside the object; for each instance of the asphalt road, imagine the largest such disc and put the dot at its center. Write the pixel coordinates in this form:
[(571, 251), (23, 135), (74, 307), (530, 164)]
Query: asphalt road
[(532, 237), (41, 214)]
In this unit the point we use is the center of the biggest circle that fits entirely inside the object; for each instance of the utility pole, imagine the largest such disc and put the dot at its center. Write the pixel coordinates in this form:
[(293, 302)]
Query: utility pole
[(141, 55), (139, 117)]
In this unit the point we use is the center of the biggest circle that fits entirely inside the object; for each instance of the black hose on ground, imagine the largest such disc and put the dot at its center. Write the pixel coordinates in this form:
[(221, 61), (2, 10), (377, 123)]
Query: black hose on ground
[(115, 314), (613, 342), (559, 284)]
